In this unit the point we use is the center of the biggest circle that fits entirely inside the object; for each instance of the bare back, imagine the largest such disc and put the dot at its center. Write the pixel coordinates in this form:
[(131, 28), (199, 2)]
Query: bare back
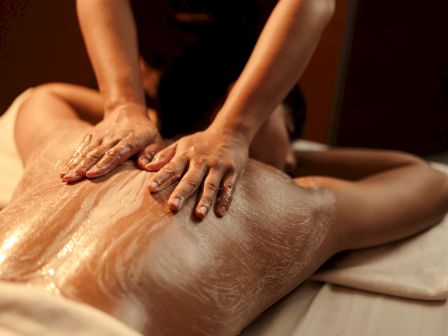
[(109, 243)]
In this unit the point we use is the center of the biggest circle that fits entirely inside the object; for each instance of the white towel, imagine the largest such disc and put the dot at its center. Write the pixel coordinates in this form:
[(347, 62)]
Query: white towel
[(10, 165), (30, 311)]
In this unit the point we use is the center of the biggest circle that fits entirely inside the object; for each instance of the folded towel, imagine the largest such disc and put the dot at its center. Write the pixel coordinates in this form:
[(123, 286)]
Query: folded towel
[(10, 165), (30, 311)]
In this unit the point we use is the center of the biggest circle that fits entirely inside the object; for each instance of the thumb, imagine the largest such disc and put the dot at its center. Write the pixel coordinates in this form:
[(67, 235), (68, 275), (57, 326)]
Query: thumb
[(161, 158)]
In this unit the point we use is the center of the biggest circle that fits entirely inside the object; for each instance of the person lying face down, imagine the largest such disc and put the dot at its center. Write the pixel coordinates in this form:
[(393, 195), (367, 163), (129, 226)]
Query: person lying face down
[(111, 244)]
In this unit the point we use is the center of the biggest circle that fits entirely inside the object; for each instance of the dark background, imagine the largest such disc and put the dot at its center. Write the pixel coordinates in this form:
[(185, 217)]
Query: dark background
[(40, 42), (396, 89), (378, 79)]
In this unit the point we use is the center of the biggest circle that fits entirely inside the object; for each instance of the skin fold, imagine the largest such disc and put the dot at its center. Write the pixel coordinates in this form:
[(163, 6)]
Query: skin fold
[(111, 244)]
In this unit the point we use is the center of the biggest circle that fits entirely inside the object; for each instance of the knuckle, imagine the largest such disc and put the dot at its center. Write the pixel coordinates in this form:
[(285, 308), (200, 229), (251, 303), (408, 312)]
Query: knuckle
[(94, 157), (119, 151), (228, 186), (125, 148), (230, 163), (228, 166), (191, 181), (111, 153), (198, 165), (211, 187), (214, 164), (170, 170), (171, 166), (183, 156)]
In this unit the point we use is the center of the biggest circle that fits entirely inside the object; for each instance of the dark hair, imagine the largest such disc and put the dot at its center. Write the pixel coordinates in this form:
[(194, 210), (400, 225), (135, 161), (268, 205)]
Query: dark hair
[(188, 102), (296, 102), (194, 84)]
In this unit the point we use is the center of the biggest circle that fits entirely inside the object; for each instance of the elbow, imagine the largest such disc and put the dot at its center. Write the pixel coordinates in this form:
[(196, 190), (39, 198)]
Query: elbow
[(436, 181), (442, 206), (445, 192), (437, 189), (400, 159)]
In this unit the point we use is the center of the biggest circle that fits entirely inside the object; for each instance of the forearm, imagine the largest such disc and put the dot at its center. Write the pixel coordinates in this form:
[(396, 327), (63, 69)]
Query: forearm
[(349, 164), (280, 56), (395, 204), (109, 32), (396, 194)]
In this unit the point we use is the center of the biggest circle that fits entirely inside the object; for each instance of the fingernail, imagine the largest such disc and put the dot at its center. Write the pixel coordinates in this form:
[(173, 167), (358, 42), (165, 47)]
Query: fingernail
[(175, 204), (202, 211), (150, 166), (69, 177), (144, 161), (92, 171), (222, 211), (150, 156), (153, 186)]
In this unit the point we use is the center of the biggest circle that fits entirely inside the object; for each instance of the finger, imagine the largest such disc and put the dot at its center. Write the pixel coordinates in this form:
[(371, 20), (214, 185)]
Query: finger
[(209, 192), (170, 173), (77, 154), (115, 156), (226, 193), (187, 186), (88, 155), (90, 158), (161, 158), (147, 154)]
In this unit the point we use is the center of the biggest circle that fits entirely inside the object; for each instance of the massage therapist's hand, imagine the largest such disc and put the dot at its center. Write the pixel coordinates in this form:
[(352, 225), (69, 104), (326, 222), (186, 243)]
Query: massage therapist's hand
[(214, 156), (122, 133)]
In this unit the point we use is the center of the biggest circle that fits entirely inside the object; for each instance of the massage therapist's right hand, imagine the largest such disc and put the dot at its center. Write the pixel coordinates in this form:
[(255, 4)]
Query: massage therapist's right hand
[(124, 132)]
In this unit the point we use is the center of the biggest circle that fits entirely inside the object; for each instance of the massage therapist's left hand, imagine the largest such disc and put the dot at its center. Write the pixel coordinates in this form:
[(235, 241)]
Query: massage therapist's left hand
[(214, 156)]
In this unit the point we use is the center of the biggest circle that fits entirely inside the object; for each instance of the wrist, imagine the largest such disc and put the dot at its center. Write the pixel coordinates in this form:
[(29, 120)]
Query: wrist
[(236, 130), (125, 108), (240, 118)]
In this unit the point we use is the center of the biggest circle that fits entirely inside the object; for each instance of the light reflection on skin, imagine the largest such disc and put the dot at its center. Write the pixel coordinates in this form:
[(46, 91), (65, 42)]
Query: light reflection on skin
[(7, 245), (111, 244)]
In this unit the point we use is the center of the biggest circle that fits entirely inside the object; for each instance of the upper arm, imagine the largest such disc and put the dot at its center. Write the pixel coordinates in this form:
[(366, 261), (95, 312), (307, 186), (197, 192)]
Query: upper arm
[(53, 106)]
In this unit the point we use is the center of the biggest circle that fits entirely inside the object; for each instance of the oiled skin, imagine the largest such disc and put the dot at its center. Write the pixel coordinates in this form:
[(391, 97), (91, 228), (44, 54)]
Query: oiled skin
[(109, 243)]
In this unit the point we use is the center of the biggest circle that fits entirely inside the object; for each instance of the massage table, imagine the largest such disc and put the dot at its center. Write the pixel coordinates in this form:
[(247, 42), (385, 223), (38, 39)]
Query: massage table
[(392, 290)]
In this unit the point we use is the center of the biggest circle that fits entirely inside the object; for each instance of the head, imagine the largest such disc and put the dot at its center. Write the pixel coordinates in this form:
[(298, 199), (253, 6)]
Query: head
[(272, 143)]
